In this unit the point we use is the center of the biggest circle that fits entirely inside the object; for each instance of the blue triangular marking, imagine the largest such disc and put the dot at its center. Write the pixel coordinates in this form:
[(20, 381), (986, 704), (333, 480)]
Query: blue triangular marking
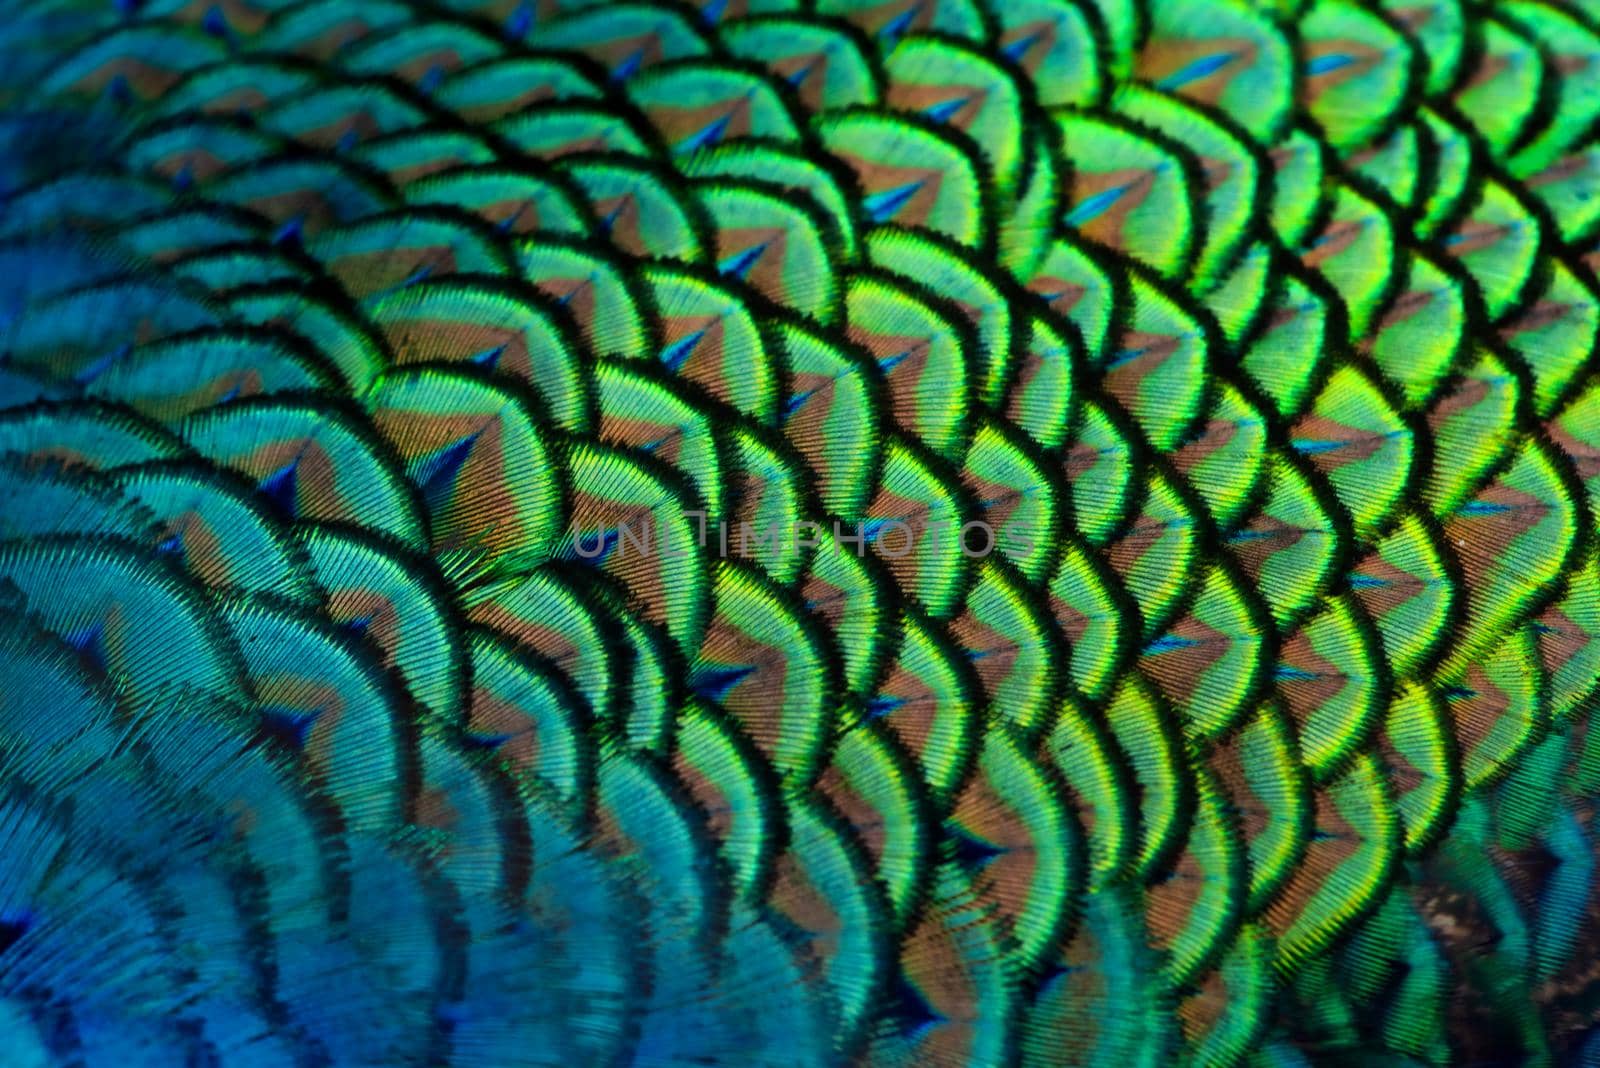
[(1123, 356), (739, 263), (797, 401), (652, 446), (596, 548), (102, 365), (873, 529), (573, 292), (485, 741), (912, 1011), (416, 276), (280, 487), (972, 852), (1329, 63), (1053, 974), (1019, 48), (488, 358), (1169, 643), (895, 27), (1096, 205), (436, 476), (943, 112), (1203, 67), (676, 353), (714, 684), (1252, 535), (215, 23), (290, 724), (889, 363), (708, 135), (290, 231), (90, 641), (611, 217), (796, 78), (520, 22), (1309, 447), (883, 705), (881, 207), (629, 66)]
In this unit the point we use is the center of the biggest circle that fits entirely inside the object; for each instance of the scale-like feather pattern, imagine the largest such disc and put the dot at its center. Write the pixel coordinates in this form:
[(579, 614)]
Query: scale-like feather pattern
[(766, 532)]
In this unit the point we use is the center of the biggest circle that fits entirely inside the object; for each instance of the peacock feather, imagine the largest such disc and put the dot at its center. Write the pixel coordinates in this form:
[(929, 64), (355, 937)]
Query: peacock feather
[(799, 532)]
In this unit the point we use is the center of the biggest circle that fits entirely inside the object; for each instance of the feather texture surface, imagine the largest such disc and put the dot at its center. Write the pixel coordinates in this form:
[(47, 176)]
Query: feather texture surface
[(799, 532)]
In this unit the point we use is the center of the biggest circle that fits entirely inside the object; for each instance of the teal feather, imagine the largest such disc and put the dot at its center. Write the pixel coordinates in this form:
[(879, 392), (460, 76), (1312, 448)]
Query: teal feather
[(757, 532)]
